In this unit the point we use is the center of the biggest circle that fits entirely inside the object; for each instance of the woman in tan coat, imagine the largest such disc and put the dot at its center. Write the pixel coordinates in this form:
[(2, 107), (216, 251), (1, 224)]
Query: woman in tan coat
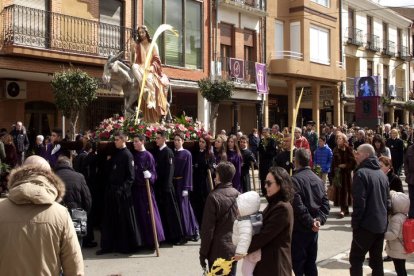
[(37, 235), (275, 237)]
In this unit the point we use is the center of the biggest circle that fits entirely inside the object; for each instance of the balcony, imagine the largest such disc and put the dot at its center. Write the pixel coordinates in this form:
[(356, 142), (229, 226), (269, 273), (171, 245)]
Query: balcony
[(355, 36), (400, 97), (255, 7), (249, 72), (403, 53), (389, 48), (294, 64), (373, 43), (350, 87), (24, 27)]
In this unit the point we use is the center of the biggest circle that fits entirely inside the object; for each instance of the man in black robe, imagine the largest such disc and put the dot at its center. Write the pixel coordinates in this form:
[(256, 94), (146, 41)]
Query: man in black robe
[(165, 194), (248, 160), (119, 228)]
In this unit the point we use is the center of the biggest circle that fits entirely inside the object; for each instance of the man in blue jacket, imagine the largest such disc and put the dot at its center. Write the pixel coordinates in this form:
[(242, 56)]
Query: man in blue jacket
[(323, 158), (371, 202), (311, 209)]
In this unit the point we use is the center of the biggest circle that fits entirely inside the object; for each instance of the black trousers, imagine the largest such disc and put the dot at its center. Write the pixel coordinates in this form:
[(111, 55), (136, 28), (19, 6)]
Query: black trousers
[(399, 265), (364, 241), (304, 253)]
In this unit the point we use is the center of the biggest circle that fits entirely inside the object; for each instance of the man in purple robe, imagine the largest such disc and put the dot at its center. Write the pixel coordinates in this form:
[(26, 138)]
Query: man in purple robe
[(53, 150), (183, 183), (144, 166)]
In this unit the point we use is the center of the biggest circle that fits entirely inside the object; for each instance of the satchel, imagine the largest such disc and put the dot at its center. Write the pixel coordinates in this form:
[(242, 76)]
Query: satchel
[(256, 220), (80, 219)]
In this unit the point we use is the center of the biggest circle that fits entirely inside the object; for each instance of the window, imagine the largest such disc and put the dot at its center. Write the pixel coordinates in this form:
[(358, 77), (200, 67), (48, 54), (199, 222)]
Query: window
[(295, 42), (322, 2), (249, 45), (369, 27), (110, 34), (385, 35), (279, 48), (385, 70), (186, 18), (319, 45), (369, 68)]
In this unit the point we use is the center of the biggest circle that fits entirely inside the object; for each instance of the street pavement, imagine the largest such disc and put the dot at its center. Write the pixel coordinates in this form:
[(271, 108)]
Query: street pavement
[(334, 243)]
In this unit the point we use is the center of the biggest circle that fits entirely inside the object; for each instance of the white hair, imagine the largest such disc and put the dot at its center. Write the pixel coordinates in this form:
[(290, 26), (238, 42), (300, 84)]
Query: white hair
[(298, 129), (367, 149), (40, 137)]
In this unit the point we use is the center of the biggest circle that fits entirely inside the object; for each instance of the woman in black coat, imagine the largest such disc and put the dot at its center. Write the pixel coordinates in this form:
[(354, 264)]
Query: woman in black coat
[(393, 179), (274, 239)]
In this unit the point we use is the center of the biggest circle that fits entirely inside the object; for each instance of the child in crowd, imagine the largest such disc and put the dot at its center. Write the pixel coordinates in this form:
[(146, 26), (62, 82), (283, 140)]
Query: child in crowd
[(394, 237), (248, 204)]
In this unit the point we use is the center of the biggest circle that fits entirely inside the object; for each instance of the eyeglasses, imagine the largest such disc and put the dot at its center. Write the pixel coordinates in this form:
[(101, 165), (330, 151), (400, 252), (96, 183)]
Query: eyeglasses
[(268, 183)]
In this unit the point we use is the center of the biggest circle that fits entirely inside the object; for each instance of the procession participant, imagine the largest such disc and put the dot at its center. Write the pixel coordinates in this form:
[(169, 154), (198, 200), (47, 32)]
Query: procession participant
[(164, 191), (144, 166), (119, 228), (220, 148), (234, 156), (203, 160), (311, 136), (183, 184), (53, 150), (248, 159), (267, 151)]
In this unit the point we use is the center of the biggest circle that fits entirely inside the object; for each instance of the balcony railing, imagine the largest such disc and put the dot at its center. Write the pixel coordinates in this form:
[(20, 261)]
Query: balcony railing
[(373, 43), (389, 49), (355, 36), (286, 55), (349, 92), (403, 52), (399, 94), (249, 71), (28, 27), (256, 4)]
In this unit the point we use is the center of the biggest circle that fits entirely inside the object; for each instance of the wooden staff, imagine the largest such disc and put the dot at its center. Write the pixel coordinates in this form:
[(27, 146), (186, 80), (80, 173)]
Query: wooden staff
[(210, 180), (295, 115), (151, 209), (254, 179)]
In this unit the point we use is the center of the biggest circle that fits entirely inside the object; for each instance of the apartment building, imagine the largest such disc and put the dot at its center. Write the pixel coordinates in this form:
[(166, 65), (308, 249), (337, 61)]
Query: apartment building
[(376, 42), (39, 37), (238, 40), (303, 51)]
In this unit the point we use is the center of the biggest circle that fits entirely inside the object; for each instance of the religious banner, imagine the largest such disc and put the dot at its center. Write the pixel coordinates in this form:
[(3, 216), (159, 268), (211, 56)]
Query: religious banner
[(261, 78), (237, 68)]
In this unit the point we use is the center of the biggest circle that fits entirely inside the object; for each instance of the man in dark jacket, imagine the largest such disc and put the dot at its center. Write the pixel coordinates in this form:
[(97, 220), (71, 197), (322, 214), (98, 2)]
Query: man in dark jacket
[(21, 141), (77, 193), (248, 160), (369, 219), (220, 212), (311, 209), (409, 176)]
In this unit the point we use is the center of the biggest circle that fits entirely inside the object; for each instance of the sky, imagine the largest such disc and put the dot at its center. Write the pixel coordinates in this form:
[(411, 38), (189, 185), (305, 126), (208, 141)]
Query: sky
[(397, 3)]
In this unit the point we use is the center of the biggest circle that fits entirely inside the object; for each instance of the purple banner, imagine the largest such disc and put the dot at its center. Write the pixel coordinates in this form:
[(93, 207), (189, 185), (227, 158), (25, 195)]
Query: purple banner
[(261, 78), (237, 68)]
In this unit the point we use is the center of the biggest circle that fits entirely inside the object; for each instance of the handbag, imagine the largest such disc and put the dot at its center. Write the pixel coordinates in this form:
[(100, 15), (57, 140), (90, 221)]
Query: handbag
[(256, 220), (80, 221)]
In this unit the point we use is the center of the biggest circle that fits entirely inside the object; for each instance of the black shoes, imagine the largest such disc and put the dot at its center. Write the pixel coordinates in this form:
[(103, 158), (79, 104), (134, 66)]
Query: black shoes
[(90, 244), (103, 251), (181, 242)]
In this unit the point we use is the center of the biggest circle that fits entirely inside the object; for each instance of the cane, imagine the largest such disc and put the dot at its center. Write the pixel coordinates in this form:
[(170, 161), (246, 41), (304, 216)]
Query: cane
[(151, 209), (210, 179), (254, 179)]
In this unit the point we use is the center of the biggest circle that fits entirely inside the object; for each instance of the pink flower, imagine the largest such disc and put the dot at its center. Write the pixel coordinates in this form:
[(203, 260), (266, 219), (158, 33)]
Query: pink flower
[(117, 126), (141, 126)]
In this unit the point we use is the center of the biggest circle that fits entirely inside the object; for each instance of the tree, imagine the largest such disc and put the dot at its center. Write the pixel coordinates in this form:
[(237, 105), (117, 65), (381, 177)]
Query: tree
[(74, 90), (215, 92)]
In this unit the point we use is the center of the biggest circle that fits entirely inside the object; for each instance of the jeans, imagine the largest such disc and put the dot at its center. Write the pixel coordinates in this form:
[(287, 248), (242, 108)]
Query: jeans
[(304, 253), (364, 241)]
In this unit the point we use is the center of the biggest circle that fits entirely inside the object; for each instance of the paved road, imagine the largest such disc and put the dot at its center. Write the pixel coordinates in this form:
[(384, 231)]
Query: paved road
[(334, 244)]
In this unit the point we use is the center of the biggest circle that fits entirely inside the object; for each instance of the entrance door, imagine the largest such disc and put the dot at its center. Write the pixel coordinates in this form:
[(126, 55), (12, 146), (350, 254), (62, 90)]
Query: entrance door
[(40, 118)]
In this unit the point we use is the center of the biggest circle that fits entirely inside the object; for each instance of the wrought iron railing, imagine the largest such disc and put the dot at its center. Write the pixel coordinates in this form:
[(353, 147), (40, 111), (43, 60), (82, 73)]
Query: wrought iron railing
[(349, 91), (373, 42), (403, 52), (389, 49), (355, 36), (257, 4), (249, 71), (400, 94), (35, 28)]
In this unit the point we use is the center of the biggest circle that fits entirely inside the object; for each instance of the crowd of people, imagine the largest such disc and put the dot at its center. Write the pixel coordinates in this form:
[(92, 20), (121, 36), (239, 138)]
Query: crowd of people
[(207, 192)]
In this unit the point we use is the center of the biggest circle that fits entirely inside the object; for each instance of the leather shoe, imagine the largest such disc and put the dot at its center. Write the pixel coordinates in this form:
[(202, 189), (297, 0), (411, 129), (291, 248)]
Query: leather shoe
[(181, 242), (341, 215)]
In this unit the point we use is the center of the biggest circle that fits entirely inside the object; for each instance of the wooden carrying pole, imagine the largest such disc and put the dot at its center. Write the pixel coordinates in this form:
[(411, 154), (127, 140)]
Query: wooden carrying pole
[(210, 180), (254, 179), (151, 209)]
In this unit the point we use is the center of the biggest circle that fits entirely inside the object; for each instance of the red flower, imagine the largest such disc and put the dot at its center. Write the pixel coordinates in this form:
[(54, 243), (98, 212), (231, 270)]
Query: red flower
[(117, 126), (148, 133), (187, 134), (190, 128), (131, 129), (141, 126)]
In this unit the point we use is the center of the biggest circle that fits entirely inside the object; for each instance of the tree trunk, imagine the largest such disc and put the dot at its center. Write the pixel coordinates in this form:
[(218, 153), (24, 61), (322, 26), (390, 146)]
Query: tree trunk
[(73, 123), (213, 118)]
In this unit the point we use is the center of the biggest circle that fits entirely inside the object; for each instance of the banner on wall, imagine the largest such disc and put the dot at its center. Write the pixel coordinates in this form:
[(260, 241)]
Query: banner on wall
[(237, 68), (261, 78)]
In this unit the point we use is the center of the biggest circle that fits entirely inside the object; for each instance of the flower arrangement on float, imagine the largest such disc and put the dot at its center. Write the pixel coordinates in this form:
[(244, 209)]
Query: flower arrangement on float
[(192, 129)]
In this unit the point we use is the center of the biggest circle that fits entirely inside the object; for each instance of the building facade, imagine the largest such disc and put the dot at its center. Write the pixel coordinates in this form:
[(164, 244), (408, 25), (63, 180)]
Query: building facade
[(303, 51), (376, 42), (39, 37)]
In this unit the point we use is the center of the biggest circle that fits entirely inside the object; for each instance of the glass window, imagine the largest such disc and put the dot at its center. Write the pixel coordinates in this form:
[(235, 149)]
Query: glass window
[(152, 15), (193, 34), (319, 45), (173, 44), (279, 48), (295, 42), (322, 2)]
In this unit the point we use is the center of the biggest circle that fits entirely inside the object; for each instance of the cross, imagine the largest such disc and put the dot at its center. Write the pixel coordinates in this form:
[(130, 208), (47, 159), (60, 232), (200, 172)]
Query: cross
[(260, 77)]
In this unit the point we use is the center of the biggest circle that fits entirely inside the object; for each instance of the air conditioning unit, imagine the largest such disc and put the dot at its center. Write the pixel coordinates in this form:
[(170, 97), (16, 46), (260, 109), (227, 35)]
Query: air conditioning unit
[(16, 90)]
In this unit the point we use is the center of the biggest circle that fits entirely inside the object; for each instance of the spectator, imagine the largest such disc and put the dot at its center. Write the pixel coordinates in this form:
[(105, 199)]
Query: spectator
[(219, 215), (409, 176), (254, 141), (37, 235), (360, 139), (369, 218), (267, 151), (275, 236), (323, 158), (396, 146), (380, 148), (311, 209), (39, 147), (10, 149), (311, 136), (395, 182), (21, 141), (54, 148), (248, 161)]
